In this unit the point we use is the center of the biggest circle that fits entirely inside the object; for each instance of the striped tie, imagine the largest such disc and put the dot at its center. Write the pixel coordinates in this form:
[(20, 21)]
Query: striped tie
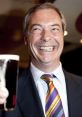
[(53, 102)]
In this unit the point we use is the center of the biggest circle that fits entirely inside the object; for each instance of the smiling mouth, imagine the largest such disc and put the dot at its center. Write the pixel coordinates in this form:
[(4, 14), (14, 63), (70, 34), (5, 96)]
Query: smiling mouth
[(47, 48)]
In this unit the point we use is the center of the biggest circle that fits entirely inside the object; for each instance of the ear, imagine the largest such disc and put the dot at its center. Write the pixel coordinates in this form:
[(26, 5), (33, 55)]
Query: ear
[(25, 40)]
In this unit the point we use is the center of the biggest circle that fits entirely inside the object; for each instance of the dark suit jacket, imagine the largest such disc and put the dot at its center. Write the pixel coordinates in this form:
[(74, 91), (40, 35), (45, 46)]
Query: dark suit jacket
[(28, 101)]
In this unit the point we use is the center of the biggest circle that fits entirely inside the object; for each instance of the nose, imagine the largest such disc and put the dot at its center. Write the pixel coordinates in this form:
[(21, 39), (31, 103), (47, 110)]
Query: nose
[(46, 35)]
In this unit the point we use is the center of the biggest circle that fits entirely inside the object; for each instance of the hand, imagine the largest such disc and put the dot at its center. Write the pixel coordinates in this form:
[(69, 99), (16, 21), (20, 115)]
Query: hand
[(3, 90), (3, 95)]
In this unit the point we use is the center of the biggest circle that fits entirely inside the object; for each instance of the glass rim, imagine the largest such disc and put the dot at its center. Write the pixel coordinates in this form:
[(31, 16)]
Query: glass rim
[(9, 56)]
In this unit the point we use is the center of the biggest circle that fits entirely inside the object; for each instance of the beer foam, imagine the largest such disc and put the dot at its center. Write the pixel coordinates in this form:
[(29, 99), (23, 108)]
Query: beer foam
[(9, 56)]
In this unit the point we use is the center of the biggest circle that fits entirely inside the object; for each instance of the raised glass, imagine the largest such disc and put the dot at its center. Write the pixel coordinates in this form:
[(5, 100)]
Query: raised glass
[(9, 70)]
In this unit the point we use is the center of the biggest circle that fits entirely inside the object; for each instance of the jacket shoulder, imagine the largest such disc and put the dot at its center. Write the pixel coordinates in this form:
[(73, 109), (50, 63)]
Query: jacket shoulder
[(73, 77)]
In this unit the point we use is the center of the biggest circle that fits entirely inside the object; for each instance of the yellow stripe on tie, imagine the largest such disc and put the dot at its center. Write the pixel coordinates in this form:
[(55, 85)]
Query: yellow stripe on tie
[(53, 101), (52, 106)]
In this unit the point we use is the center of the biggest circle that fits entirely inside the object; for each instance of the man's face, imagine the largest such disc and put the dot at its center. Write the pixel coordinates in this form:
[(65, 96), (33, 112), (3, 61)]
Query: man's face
[(45, 37)]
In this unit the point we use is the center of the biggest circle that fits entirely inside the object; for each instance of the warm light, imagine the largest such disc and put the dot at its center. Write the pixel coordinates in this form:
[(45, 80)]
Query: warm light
[(81, 41), (65, 33)]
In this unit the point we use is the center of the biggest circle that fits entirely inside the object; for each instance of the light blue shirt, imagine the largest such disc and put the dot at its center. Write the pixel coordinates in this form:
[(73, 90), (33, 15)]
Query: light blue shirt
[(59, 83)]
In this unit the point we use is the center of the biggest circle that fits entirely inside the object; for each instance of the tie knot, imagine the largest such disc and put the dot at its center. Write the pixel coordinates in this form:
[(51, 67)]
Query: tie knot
[(47, 78)]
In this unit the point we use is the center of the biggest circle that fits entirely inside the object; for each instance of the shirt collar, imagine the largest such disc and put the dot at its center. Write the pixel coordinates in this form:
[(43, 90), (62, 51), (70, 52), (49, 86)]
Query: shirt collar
[(37, 73), (59, 73)]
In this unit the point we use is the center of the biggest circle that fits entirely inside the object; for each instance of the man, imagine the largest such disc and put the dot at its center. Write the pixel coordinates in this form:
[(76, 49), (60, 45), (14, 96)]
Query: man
[(44, 28)]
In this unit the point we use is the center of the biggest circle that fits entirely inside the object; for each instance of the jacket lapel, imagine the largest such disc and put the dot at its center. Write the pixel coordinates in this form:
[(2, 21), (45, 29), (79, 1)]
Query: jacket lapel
[(33, 100), (74, 92)]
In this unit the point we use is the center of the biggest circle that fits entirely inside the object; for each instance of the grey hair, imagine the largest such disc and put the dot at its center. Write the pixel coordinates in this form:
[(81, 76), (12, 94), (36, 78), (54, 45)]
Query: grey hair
[(37, 7)]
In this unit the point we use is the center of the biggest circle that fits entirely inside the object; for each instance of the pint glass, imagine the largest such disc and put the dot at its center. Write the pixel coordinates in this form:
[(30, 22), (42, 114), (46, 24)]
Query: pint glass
[(9, 70)]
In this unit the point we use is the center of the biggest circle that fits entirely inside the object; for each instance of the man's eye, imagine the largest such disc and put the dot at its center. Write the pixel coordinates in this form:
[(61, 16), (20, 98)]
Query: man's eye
[(55, 29), (36, 30)]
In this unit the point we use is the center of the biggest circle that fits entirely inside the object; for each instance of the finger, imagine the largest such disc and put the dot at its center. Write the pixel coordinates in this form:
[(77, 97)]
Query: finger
[(2, 100), (4, 92)]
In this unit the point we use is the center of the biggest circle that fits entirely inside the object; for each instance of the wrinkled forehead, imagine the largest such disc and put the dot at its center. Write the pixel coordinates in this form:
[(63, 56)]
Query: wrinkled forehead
[(45, 12), (45, 16)]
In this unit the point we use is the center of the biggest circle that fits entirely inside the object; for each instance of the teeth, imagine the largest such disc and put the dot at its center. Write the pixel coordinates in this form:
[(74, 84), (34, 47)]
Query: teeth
[(46, 48)]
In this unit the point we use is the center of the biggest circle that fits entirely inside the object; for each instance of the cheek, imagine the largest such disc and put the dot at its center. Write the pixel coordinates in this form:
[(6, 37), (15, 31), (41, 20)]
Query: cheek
[(33, 39), (30, 41), (61, 45), (32, 44), (61, 40)]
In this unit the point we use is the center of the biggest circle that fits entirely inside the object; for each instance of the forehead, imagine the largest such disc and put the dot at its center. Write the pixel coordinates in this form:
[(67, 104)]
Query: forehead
[(44, 16)]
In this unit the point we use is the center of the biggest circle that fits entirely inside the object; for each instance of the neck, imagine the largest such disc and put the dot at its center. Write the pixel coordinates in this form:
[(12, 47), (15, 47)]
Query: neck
[(46, 67)]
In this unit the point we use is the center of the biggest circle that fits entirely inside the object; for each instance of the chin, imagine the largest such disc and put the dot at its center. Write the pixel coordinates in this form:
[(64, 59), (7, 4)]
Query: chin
[(46, 63)]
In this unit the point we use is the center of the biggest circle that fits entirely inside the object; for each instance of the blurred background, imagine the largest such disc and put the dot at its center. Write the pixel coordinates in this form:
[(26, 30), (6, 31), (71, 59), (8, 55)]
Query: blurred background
[(12, 13)]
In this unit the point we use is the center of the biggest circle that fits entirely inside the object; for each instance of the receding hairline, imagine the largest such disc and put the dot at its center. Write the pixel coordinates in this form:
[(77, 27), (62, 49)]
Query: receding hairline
[(44, 6)]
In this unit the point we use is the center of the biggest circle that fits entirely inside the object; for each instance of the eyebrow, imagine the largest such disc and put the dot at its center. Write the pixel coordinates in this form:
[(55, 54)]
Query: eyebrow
[(42, 26), (35, 25), (55, 25)]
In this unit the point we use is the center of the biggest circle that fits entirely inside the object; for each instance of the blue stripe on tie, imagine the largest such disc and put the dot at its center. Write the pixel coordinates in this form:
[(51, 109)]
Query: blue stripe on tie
[(56, 108), (60, 113), (57, 111), (52, 110), (50, 99)]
